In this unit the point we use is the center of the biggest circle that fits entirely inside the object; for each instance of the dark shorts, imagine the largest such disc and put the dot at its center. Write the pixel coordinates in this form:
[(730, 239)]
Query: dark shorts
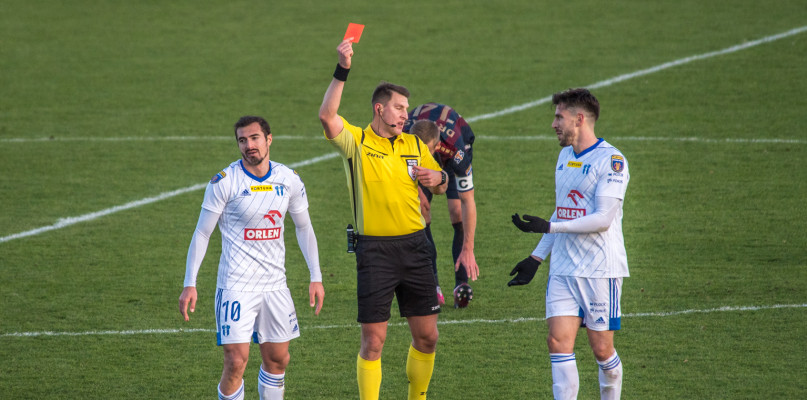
[(399, 266)]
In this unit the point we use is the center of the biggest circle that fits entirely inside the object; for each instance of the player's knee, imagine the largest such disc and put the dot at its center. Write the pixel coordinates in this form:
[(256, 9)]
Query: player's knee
[(277, 363), (235, 364), (558, 345), (602, 351)]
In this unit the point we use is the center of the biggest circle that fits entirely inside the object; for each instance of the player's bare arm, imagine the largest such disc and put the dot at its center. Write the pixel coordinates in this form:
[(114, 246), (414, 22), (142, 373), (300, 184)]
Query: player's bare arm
[(466, 256), (333, 96)]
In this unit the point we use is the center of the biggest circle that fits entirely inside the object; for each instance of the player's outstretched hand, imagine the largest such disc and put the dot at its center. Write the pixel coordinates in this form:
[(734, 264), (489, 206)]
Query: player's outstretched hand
[(531, 224), (525, 269)]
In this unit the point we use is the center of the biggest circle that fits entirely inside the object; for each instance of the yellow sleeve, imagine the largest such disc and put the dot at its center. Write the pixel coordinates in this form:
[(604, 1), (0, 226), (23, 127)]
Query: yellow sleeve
[(345, 141)]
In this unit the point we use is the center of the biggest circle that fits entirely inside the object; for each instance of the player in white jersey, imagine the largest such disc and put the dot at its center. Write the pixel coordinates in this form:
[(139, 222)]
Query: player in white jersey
[(584, 236), (249, 200)]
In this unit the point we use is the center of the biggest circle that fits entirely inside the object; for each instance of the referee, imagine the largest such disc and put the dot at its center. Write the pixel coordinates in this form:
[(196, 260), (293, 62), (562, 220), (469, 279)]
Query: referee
[(393, 255)]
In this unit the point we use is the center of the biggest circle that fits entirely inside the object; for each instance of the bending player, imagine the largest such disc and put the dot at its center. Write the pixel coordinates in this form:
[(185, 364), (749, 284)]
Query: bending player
[(454, 152)]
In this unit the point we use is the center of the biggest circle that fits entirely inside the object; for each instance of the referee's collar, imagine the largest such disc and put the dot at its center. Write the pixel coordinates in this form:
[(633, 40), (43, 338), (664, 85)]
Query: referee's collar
[(370, 129)]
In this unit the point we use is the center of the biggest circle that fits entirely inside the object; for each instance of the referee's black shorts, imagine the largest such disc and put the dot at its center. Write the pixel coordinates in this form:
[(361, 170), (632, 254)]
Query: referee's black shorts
[(395, 265)]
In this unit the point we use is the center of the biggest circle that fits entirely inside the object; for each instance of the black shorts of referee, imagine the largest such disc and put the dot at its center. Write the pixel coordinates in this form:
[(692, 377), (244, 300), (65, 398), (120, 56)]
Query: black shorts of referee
[(395, 265)]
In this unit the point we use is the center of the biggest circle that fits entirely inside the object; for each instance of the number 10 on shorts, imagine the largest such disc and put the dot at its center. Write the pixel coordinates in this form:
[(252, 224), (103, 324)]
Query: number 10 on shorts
[(230, 313)]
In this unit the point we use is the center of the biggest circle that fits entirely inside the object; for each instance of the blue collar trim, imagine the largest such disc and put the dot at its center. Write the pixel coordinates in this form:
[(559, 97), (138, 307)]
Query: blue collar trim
[(265, 177), (592, 147)]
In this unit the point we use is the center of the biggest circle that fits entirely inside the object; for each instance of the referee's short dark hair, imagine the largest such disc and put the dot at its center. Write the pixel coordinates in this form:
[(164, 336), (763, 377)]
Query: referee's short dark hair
[(249, 120), (383, 92), (578, 98)]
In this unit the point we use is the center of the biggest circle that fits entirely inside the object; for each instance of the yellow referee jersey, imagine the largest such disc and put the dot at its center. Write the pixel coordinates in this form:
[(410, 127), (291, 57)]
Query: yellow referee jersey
[(381, 181)]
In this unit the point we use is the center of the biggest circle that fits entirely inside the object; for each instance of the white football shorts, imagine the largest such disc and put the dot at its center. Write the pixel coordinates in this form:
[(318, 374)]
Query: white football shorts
[(595, 300), (260, 316)]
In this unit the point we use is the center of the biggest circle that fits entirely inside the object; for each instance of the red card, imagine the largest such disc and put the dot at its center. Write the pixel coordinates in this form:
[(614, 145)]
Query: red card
[(354, 31)]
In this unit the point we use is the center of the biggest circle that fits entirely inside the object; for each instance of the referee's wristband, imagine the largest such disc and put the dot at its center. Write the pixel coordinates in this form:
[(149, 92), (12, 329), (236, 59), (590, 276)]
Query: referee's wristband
[(340, 74), (443, 177)]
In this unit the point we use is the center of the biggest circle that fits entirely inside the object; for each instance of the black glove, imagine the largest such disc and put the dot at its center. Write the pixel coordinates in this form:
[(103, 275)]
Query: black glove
[(526, 269), (531, 224)]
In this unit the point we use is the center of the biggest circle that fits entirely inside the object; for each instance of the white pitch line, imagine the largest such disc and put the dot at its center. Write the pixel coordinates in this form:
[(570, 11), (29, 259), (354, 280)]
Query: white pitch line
[(65, 222), (55, 139), (648, 71), (481, 137), (615, 139), (506, 111), (73, 220), (443, 322)]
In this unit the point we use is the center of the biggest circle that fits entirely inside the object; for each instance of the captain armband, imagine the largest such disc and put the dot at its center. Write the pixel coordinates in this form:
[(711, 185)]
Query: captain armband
[(465, 183)]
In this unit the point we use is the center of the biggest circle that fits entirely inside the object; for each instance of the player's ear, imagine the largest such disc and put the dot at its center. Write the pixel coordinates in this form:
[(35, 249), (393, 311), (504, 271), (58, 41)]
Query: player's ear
[(269, 139)]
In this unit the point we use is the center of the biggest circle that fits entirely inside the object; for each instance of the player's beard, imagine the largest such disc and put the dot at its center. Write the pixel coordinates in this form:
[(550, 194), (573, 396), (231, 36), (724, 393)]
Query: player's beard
[(566, 137), (254, 158)]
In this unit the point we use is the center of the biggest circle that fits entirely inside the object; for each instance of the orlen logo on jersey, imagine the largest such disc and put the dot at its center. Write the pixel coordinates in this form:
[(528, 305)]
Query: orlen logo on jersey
[(261, 233), (570, 213), (271, 215)]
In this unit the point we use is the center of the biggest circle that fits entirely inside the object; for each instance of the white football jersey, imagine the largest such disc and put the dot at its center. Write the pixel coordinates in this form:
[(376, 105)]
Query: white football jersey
[(600, 170), (251, 223)]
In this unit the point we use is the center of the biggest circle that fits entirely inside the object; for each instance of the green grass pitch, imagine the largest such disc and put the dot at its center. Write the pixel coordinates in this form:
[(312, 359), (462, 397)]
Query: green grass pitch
[(105, 104)]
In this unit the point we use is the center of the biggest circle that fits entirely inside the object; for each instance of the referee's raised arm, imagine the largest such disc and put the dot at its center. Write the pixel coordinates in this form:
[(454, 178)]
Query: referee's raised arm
[(330, 104)]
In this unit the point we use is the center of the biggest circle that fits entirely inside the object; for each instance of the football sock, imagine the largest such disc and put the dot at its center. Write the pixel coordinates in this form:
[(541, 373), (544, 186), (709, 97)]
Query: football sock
[(419, 367), (238, 395), (433, 252), (461, 275), (368, 374), (565, 381), (611, 378), (271, 386)]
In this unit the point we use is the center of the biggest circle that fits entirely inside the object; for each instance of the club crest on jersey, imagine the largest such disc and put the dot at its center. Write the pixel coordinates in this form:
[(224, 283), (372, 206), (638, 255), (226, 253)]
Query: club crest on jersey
[(216, 178), (617, 163), (271, 215), (459, 156), (411, 162)]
